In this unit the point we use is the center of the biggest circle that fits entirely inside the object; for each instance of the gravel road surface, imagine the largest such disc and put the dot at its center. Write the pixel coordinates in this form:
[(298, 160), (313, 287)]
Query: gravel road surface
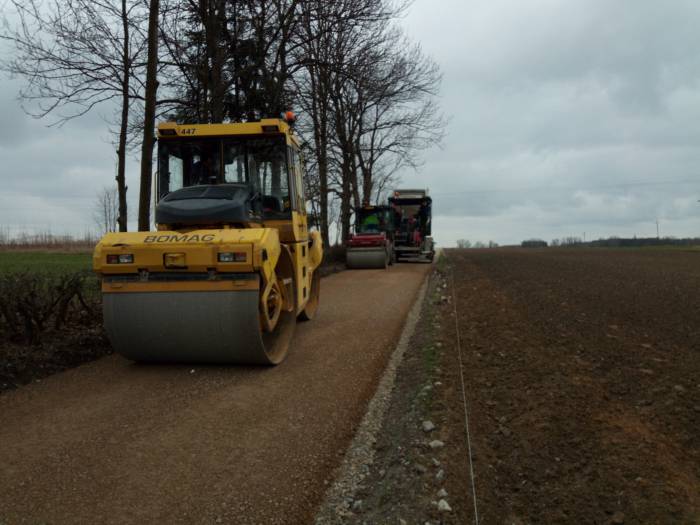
[(117, 442)]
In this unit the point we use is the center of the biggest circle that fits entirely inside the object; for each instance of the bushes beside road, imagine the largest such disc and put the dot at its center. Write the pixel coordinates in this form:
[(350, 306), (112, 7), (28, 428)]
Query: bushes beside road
[(49, 321), (33, 305)]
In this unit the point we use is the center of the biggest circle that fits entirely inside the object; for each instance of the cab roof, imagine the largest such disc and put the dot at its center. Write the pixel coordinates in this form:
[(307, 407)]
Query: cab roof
[(410, 196), (270, 126)]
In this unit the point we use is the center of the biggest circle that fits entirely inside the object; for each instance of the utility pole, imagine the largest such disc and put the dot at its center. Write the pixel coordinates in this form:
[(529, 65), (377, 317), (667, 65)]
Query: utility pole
[(657, 229)]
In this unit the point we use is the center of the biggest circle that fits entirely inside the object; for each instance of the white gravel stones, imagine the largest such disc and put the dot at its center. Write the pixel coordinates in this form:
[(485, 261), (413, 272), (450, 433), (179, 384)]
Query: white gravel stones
[(354, 469), (428, 426), (436, 443), (443, 506), (442, 493), (440, 475)]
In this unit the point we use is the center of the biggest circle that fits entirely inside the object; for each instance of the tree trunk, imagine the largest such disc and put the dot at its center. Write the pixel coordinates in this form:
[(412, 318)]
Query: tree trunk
[(367, 186), (121, 151), (319, 115), (345, 211), (323, 190), (214, 25), (149, 119), (355, 184)]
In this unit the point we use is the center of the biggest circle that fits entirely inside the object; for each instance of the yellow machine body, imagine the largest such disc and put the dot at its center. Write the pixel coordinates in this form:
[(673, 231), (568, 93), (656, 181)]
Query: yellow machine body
[(243, 285)]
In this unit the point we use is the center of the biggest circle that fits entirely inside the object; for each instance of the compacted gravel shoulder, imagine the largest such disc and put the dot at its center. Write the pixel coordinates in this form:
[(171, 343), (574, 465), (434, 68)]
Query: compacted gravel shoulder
[(418, 473)]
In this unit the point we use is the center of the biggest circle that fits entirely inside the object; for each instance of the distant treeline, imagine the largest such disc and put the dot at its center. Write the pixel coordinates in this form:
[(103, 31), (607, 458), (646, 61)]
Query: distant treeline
[(534, 243), (466, 243), (612, 242), (45, 240)]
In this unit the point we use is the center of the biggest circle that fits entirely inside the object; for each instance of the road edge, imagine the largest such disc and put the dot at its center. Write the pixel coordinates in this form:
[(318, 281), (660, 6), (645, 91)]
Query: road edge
[(360, 454)]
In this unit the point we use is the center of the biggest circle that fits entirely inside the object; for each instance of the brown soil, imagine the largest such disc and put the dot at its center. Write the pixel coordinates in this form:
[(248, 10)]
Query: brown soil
[(21, 364), (115, 442), (583, 386)]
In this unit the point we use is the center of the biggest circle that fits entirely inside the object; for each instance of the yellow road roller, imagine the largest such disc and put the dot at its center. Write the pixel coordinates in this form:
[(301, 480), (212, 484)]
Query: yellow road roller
[(232, 264)]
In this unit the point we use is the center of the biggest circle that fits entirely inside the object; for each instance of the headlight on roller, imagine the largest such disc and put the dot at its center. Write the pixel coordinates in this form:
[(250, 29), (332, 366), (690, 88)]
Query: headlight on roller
[(232, 257), (122, 258)]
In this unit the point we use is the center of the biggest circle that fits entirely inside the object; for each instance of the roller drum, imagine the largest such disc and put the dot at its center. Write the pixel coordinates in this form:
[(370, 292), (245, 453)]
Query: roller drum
[(194, 327), (367, 258)]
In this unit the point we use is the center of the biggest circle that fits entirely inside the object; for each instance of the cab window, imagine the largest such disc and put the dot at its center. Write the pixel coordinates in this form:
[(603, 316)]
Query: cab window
[(234, 163), (260, 163), (267, 163)]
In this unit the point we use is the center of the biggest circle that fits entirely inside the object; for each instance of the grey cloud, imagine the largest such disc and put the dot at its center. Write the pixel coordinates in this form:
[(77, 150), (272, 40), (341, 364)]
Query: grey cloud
[(560, 110)]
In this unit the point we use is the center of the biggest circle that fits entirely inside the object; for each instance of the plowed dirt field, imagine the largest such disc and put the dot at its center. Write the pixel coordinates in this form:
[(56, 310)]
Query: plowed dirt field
[(583, 382)]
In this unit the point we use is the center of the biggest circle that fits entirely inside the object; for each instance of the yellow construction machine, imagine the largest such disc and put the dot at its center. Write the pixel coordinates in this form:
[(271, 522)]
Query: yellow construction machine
[(232, 265)]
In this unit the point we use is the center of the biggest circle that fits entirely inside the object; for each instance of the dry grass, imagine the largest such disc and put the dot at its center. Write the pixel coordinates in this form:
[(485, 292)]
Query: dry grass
[(46, 241)]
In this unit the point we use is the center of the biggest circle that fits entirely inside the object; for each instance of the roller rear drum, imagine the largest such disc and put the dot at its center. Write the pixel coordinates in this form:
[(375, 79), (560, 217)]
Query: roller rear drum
[(367, 258)]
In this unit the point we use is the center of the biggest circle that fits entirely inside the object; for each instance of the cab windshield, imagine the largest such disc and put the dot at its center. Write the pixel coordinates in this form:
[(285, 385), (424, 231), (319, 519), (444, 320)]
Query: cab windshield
[(372, 221), (260, 163)]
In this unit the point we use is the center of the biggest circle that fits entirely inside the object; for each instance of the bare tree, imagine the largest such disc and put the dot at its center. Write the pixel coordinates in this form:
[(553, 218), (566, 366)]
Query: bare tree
[(370, 99), (77, 55), (382, 112), (149, 118), (106, 210), (228, 60), (397, 115), (325, 33), (463, 243)]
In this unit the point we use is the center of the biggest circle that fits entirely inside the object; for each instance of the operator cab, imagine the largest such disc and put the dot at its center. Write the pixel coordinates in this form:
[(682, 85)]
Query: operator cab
[(412, 213), (206, 179), (373, 220), (413, 217)]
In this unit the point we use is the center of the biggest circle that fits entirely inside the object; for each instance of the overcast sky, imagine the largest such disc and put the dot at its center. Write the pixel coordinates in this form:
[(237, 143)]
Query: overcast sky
[(567, 117)]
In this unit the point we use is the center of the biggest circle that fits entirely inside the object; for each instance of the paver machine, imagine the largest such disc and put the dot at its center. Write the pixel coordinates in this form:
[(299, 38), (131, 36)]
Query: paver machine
[(372, 244), (232, 265), (412, 217)]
